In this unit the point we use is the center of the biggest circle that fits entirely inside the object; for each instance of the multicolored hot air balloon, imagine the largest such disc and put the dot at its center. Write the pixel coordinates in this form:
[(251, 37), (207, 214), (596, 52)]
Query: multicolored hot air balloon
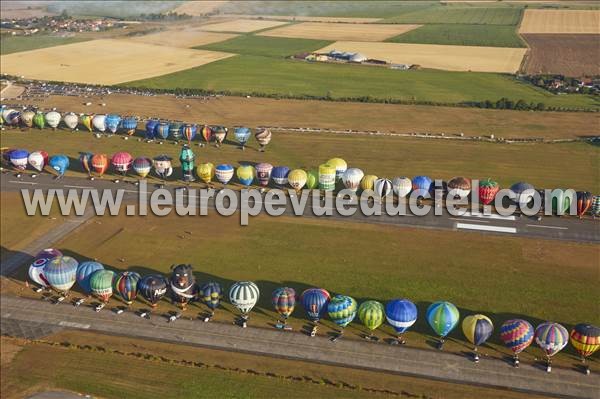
[(85, 158), (142, 166), (99, 164), (162, 130), (52, 119), (183, 284), (383, 187), (126, 286), (19, 159), (112, 122), (585, 338), (38, 159), (99, 123), (459, 187), (101, 284), (37, 267), (326, 177), (263, 173), (175, 130), (61, 273), (340, 167), (151, 125), (263, 137), (401, 314), (206, 172), (314, 301), (207, 134), (187, 158), (523, 193), (210, 294), (245, 174), (121, 162), (279, 174), (163, 166), (86, 121), (584, 201), (244, 295), (188, 132), (129, 124), (27, 118), (84, 271), (517, 335), (59, 164), (372, 315), (368, 182), (284, 302), (38, 120), (224, 173), (312, 179), (71, 120), (242, 134), (551, 338), (442, 318), (220, 133), (297, 179), (422, 183), (152, 288), (402, 186), (477, 329), (352, 178), (342, 310)]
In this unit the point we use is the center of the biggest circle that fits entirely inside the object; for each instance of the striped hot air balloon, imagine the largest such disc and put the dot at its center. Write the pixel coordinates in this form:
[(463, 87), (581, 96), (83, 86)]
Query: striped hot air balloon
[(84, 271), (224, 173), (220, 133), (142, 166), (207, 134), (372, 315), (210, 294), (401, 314), (244, 295), (342, 310), (477, 329), (38, 120), (126, 286), (584, 201), (551, 338), (284, 301), (442, 318), (188, 132), (263, 173), (263, 137), (517, 335), (383, 187), (61, 273), (162, 130), (585, 338)]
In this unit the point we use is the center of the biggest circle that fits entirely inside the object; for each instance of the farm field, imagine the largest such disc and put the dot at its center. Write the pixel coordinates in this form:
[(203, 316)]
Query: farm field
[(448, 58), (301, 18), (561, 21), (241, 25), (231, 111), (182, 38), (336, 31), (566, 54), (245, 75), (462, 35), (266, 46), (15, 44), (199, 8), (85, 62), (460, 14)]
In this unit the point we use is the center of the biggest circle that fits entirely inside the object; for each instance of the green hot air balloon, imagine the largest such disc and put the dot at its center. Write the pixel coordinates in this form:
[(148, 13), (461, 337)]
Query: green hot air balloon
[(101, 285), (39, 120), (372, 315), (342, 310)]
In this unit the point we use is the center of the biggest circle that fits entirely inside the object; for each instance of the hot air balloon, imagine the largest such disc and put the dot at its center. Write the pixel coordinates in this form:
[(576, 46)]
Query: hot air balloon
[(87, 122), (297, 179), (162, 166), (422, 183), (442, 317), (188, 132), (112, 122), (279, 174), (121, 162), (372, 315), (517, 335), (61, 273), (19, 159), (38, 120), (244, 295), (551, 338), (326, 177), (38, 159), (162, 130), (584, 201), (368, 182), (242, 134), (224, 173), (37, 267), (220, 133), (175, 130), (84, 271), (6, 112), (284, 301), (151, 125), (352, 178), (477, 329), (126, 286), (383, 187), (152, 288), (71, 120), (312, 179), (99, 164), (27, 118), (187, 157), (402, 186), (562, 200), (86, 161), (59, 164), (183, 285), (245, 174), (206, 172), (459, 187), (142, 166), (263, 173), (211, 293), (488, 189), (596, 206), (585, 338), (263, 137), (342, 310), (401, 314), (52, 119), (99, 123), (340, 167), (129, 125), (314, 301), (101, 285), (207, 134), (523, 192)]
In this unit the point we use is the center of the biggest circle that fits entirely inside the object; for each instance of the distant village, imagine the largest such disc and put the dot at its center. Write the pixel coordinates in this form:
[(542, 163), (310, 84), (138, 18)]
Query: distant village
[(562, 84), (335, 56), (57, 25)]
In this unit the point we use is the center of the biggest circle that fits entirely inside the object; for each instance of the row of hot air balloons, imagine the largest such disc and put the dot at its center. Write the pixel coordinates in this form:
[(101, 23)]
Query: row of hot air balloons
[(51, 268)]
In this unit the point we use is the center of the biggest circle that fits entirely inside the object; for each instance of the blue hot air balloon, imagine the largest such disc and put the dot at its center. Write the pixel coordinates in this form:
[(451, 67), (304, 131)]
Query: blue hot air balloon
[(129, 124), (224, 173), (61, 273), (442, 317), (210, 293), (19, 159), (162, 130), (279, 174), (188, 131), (242, 134), (112, 122), (314, 301), (401, 314), (151, 125), (84, 270), (423, 183), (59, 164)]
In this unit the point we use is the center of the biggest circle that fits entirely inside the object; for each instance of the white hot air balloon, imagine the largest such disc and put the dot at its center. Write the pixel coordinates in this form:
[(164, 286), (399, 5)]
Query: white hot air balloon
[(53, 119), (27, 117), (37, 160), (352, 178), (383, 187), (402, 186), (99, 123), (71, 120)]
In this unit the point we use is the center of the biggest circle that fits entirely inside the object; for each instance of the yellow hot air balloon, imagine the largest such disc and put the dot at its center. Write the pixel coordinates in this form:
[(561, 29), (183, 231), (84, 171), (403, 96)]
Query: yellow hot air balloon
[(297, 179), (86, 120), (326, 177), (206, 172), (368, 182), (340, 167), (245, 174)]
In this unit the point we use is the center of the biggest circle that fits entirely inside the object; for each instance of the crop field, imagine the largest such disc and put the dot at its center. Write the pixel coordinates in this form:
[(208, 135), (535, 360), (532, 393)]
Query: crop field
[(462, 35), (459, 14), (87, 62), (199, 8), (301, 18), (449, 58), (561, 21), (185, 38), (245, 75), (266, 46), (569, 54), (15, 44), (334, 31), (241, 25)]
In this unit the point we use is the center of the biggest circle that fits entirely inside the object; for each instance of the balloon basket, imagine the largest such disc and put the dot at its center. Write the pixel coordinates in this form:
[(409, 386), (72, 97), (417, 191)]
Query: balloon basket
[(100, 307)]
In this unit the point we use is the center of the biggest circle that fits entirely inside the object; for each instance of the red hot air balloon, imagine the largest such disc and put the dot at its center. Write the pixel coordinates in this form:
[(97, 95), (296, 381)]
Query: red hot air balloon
[(584, 201), (207, 133), (488, 189), (99, 164), (121, 162)]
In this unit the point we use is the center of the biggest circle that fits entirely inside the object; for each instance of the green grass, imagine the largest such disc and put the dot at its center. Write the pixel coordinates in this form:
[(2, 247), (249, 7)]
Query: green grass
[(460, 14), (266, 46), (247, 74), (462, 35), (15, 44)]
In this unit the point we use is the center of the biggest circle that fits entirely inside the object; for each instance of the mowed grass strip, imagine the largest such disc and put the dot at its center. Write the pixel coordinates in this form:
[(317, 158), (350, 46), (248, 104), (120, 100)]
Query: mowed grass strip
[(266, 46), (462, 35), (15, 44), (460, 14), (246, 74)]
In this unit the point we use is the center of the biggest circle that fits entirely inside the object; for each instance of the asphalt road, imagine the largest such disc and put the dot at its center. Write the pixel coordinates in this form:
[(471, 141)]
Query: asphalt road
[(567, 228)]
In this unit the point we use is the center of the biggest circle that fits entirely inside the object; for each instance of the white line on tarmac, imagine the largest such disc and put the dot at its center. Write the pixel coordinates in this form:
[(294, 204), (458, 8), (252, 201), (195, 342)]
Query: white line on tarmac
[(491, 216), (78, 186), (548, 227), (473, 221), (74, 325), (22, 182), (497, 229)]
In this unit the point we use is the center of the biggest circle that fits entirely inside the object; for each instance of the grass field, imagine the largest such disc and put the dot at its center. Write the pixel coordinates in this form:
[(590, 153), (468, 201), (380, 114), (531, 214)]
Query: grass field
[(15, 44), (561, 21), (336, 31), (266, 46), (460, 14), (462, 35), (253, 74)]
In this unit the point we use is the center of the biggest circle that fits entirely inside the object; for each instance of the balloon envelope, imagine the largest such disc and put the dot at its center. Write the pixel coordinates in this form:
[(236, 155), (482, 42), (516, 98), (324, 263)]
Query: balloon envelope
[(297, 179), (263, 173), (19, 159), (244, 295), (101, 284), (59, 163), (211, 293), (442, 317), (121, 161), (342, 310), (263, 136), (99, 123), (488, 189), (279, 174), (352, 177), (27, 118), (142, 166), (312, 179), (99, 164), (84, 271), (284, 301), (340, 167), (516, 334), (126, 285), (112, 122), (224, 173), (38, 120), (206, 172), (372, 314), (585, 338), (220, 133), (152, 288), (551, 338), (459, 187), (71, 120), (422, 183), (151, 125), (327, 177), (245, 174), (162, 130), (477, 328), (61, 272), (314, 301), (242, 134), (53, 119), (383, 187), (402, 186), (401, 314)]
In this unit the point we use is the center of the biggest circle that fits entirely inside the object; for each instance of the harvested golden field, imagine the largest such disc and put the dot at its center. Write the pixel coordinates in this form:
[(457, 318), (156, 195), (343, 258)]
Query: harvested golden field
[(107, 61), (333, 31), (184, 38), (241, 25), (449, 58), (351, 20), (560, 21), (198, 8)]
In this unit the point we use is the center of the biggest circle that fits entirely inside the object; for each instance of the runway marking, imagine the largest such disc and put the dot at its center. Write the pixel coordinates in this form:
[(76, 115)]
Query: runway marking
[(74, 325), (548, 227), (497, 229), (78, 186), (491, 216), (22, 182), (472, 221)]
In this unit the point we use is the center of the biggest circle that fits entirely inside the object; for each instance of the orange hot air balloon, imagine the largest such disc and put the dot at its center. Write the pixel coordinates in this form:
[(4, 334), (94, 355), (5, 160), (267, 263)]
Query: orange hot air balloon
[(99, 164)]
